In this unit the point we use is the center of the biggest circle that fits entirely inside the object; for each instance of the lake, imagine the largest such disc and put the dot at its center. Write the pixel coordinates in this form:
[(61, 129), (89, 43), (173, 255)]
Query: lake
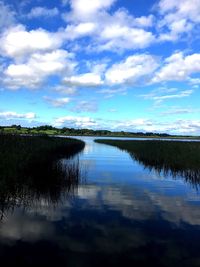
[(120, 214)]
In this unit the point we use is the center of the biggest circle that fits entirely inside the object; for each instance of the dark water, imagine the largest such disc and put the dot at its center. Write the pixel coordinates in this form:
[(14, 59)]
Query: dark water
[(119, 214)]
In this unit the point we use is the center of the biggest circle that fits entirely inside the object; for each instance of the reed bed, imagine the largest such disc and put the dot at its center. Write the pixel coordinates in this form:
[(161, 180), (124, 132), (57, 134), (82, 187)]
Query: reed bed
[(30, 169), (171, 157)]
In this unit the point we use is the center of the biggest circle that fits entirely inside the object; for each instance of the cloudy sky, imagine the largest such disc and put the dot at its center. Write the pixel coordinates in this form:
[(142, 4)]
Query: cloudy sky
[(101, 64)]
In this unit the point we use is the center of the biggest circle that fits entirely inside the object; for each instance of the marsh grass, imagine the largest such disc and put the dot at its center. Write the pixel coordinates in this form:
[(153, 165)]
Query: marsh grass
[(30, 169), (171, 157)]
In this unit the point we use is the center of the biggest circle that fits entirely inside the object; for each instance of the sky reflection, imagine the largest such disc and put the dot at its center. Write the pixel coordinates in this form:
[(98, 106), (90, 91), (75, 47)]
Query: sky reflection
[(120, 210)]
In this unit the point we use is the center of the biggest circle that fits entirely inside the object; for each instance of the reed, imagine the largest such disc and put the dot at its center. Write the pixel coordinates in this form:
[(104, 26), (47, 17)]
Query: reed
[(30, 169), (171, 157)]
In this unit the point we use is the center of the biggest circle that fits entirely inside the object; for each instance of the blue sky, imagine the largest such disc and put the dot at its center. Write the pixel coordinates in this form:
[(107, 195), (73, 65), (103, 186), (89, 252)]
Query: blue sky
[(101, 64)]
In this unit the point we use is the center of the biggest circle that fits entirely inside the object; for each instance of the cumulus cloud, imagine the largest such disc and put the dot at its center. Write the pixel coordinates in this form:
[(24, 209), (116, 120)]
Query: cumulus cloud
[(178, 67), (172, 126), (77, 122), (85, 10), (30, 41), (147, 125), (131, 69), (98, 67), (42, 12), (123, 31), (116, 31), (178, 17), (8, 115), (32, 74), (84, 80), (182, 126), (30, 57), (115, 37), (82, 29), (135, 124), (145, 21), (57, 102)]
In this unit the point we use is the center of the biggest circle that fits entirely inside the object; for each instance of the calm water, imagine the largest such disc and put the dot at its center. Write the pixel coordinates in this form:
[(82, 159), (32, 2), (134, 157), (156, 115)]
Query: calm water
[(119, 214)]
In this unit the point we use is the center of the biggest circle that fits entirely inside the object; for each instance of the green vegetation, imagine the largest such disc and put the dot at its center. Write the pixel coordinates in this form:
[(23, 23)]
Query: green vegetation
[(50, 130), (22, 152), (31, 168), (176, 158)]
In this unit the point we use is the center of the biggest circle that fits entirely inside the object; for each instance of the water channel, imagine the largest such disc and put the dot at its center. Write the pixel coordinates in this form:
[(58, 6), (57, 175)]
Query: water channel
[(120, 213)]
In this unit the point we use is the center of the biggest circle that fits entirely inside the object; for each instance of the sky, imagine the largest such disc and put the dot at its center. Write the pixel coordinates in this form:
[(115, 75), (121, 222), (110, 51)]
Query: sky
[(128, 65)]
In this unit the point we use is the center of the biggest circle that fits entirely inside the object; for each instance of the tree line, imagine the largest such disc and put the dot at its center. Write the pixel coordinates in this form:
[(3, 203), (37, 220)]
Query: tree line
[(51, 130)]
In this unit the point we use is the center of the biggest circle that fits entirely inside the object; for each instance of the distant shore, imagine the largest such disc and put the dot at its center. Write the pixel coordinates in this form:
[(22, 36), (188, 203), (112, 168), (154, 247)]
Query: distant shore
[(50, 130)]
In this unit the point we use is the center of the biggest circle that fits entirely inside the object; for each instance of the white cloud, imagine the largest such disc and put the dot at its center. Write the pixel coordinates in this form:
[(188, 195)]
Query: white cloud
[(77, 122), (181, 94), (179, 111), (97, 67), (43, 12), (85, 10), (178, 17), (117, 31), (57, 102), (85, 106), (147, 125), (180, 126), (84, 80), (163, 94), (116, 36), (131, 70), (17, 42), (65, 90), (121, 31), (178, 67), (194, 81), (8, 115), (184, 8), (39, 66), (139, 124), (80, 30), (108, 93), (176, 126), (145, 21), (7, 15)]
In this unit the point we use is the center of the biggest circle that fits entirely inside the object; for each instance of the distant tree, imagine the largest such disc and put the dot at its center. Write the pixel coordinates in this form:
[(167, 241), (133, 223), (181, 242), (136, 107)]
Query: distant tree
[(46, 128)]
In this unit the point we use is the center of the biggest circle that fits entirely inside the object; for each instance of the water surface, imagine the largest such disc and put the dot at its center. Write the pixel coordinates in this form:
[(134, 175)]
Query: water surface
[(119, 214)]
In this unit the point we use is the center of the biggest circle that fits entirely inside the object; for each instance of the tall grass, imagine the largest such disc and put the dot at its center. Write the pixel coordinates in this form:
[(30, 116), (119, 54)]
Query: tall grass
[(172, 157), (30, 169)]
